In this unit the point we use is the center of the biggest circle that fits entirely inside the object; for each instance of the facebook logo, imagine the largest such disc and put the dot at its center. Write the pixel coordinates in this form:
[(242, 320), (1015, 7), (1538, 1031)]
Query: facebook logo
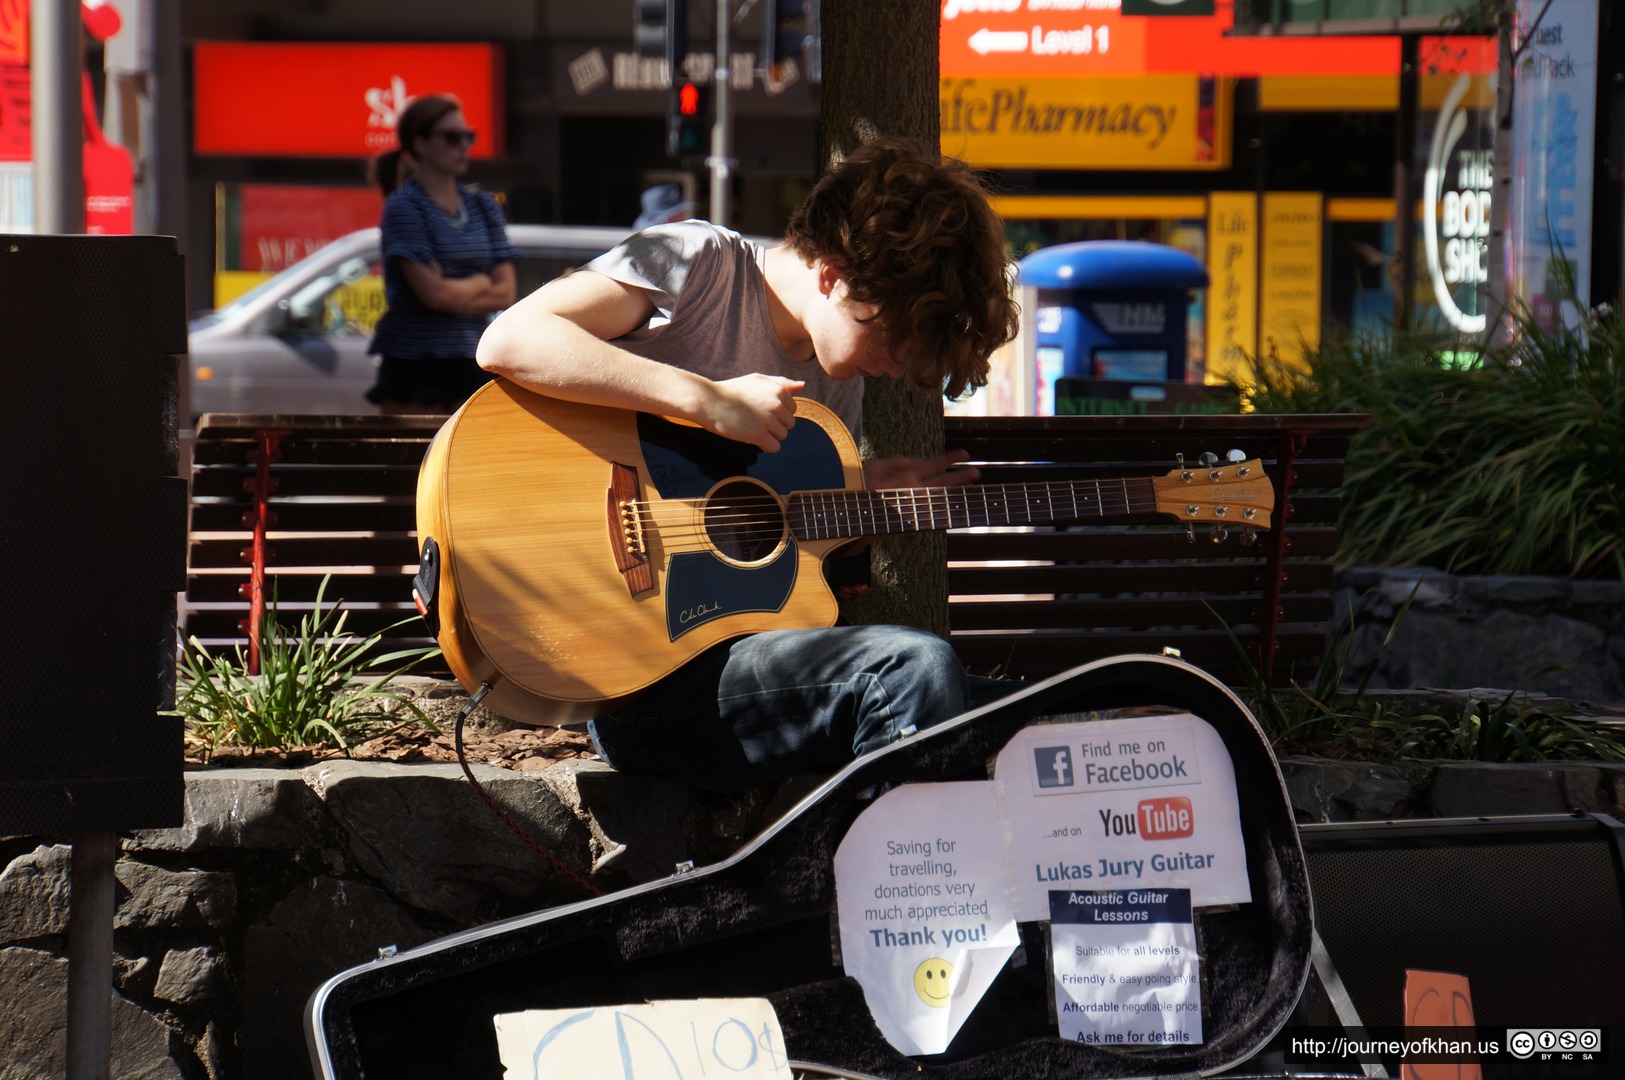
[(1054, 764)]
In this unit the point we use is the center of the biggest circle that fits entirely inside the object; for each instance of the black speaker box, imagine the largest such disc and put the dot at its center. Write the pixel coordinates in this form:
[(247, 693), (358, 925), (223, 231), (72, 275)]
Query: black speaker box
[(1530, 909), (92, 533), (758, 924)]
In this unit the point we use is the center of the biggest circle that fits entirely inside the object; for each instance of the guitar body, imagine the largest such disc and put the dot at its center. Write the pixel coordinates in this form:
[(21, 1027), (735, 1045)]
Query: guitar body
[(564, 600)]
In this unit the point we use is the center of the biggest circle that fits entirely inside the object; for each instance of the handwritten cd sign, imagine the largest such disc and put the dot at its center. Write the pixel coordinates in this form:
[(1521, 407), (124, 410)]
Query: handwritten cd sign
[(734, 1037)]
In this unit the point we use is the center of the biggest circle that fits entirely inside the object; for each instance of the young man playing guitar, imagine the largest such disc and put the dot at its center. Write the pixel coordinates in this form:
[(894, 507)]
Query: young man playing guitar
[(894, 266)]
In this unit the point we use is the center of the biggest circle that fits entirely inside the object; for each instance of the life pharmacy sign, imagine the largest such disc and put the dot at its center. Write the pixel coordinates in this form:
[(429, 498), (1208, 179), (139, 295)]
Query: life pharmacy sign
[(1456, 207), (1129, 803), (1154, 121)]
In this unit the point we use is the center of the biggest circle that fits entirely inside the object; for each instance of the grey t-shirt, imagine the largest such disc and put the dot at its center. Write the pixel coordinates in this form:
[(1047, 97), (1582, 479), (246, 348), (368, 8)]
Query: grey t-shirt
[(712, 315)]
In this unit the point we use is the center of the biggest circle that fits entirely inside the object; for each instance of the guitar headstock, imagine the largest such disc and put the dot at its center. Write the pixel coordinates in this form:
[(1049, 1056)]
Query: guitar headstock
[(1232, 493)]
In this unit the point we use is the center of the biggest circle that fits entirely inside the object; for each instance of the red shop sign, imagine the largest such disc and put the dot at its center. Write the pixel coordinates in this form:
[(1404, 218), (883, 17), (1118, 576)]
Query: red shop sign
[(334, 100), (282, 223)]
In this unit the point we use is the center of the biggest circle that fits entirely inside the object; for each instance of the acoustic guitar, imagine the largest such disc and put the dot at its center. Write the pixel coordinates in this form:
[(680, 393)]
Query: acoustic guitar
[(573, 555)]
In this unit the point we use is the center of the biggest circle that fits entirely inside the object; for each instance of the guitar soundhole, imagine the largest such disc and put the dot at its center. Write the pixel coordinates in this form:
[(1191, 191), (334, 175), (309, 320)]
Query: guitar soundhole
[(744, 521)]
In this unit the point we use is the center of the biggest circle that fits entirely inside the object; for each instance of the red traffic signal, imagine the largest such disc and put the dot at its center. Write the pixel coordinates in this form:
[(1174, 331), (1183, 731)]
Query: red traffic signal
[(686, 112), (688, 99)]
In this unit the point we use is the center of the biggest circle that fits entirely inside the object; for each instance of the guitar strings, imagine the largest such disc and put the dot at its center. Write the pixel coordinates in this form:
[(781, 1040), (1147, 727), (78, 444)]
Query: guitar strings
[(680, 520), (766, 510)]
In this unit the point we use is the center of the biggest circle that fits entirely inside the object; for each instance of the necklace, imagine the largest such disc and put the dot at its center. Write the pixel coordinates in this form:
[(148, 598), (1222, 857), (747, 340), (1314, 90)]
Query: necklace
[(460, 218)]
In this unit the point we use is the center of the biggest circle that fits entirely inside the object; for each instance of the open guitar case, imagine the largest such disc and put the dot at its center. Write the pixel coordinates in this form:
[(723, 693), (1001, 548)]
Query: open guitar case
[(761, 924)]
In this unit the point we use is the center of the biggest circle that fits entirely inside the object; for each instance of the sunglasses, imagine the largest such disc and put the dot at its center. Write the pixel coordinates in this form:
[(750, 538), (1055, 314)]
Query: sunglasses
[(456, 138)]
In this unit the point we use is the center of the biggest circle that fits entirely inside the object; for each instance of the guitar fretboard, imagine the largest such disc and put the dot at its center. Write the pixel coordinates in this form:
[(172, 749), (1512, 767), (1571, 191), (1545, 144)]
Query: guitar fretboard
[(838, 514)]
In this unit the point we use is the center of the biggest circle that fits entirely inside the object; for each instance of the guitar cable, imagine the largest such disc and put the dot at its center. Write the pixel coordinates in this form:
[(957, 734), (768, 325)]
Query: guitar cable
[(462, 759)]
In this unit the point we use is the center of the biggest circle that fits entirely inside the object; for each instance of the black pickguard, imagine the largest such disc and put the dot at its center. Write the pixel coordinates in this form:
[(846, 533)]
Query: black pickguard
[(686, 462)]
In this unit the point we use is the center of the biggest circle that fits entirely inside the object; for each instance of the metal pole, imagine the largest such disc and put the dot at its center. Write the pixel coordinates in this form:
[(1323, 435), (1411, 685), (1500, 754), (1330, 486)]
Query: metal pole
[(90, 956), (58, 118), (721, 159), (1405, 183)]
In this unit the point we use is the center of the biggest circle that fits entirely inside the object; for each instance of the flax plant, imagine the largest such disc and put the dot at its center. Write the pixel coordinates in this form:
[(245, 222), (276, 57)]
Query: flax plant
[(1512, 465), (310, 690)]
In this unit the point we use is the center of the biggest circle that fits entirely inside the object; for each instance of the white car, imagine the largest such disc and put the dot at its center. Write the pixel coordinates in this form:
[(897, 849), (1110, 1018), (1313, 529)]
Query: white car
[(297, 343)]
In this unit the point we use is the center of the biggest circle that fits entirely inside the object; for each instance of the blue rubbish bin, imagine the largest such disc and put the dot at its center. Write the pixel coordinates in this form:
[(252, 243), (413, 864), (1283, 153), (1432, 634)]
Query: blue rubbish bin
[(1111, 310)]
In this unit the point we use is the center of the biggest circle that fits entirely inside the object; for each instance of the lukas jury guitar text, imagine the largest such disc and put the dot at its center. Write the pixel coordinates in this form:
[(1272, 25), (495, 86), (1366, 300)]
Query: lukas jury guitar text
[(577, 554)]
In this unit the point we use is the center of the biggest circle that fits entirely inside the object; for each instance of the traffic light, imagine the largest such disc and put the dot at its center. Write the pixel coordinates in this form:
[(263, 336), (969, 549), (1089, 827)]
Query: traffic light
[(786, 30), (660, 28), (686, 119)]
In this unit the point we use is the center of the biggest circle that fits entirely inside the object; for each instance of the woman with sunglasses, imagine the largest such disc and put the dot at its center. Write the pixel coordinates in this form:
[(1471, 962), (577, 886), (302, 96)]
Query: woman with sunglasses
[(448, 265)]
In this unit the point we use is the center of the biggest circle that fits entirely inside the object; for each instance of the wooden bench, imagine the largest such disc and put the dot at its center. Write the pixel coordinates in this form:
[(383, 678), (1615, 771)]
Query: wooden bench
[(1039, 601), (277, 502)]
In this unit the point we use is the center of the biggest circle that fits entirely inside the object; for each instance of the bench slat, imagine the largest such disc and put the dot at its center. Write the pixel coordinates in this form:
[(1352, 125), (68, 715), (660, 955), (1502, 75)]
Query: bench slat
[(299, 585), (223, 624), (397, 453), (1129, 612), (304, 482), (1112, 545), (318, 551), (1122, 578), (398, 515)]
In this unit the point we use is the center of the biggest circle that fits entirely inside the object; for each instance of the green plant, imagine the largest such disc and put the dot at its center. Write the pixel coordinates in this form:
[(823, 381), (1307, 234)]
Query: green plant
[(310, 690), (1514, 465), (1503, 732)]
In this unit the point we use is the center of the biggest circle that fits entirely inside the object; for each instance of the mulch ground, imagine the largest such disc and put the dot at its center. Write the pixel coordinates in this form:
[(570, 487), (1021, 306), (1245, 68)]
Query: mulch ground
[(524, 749)]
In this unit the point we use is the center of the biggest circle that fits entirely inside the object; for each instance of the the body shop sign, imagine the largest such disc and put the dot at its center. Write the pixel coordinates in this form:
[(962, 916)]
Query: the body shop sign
[(334, 100), (1456, 203), (1156, 121)]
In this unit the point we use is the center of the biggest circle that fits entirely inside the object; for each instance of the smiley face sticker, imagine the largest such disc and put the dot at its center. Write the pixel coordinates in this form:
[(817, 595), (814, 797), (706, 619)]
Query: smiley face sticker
[(933, 981)]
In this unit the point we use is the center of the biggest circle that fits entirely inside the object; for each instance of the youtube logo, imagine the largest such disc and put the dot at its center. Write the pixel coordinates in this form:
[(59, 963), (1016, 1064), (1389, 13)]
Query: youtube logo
[(1165, 819)]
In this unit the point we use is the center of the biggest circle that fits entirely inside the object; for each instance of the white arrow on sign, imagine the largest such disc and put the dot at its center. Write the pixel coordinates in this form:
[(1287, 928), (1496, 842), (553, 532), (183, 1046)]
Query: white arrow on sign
[(985, 41)]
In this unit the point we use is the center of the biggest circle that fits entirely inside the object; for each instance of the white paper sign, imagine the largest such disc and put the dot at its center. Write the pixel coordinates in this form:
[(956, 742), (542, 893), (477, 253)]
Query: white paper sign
[(1125, 967), (922, 889), (1125, 803), (733, 1037)]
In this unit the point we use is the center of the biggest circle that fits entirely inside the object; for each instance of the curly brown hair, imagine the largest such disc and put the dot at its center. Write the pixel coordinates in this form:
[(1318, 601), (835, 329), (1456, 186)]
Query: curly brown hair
[(912, 233)]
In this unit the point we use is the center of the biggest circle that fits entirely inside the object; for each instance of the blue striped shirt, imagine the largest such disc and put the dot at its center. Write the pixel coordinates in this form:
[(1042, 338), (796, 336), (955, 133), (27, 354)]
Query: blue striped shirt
[(415, 228)]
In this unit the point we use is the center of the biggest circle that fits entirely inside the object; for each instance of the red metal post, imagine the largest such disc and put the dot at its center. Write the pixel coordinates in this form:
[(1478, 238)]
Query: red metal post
[(268, 449), (1274, 576)]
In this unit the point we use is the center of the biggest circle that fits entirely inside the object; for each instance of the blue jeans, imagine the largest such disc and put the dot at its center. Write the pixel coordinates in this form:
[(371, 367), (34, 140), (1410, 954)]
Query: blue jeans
[(762, 707)]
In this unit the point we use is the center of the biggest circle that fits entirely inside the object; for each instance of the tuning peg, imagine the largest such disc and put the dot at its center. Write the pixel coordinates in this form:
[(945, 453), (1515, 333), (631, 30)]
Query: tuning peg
[(1249, 537), (1235, 457), (1190, 533), (1209, 458), (1220, 534)]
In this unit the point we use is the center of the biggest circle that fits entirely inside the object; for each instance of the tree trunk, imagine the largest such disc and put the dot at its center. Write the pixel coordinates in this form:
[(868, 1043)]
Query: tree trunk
[(880, 78)]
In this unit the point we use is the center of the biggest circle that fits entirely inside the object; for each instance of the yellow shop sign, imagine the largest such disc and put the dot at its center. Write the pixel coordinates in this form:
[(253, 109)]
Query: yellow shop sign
[(1157, 121)]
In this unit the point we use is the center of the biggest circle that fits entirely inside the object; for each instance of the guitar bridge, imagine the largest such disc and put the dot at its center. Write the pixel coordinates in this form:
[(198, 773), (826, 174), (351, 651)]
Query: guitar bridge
[(626, 530)]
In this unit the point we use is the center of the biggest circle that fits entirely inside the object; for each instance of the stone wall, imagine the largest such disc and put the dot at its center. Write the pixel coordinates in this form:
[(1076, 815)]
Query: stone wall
[(1548, 635), (282, 878)]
